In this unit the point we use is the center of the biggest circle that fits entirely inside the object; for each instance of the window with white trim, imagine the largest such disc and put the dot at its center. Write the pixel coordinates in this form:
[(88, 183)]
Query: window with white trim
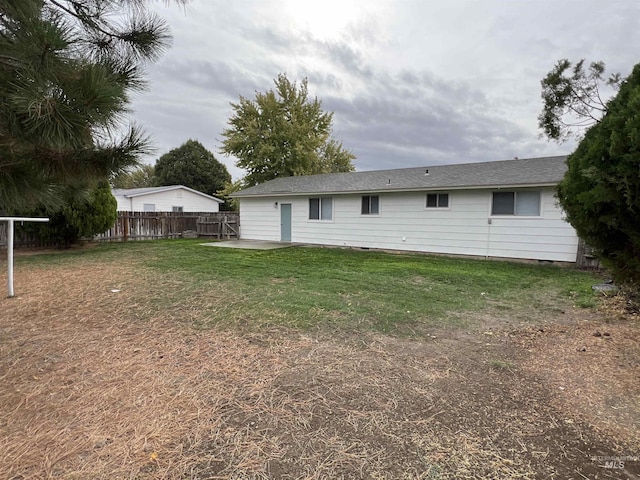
[(177, 209), (437, 200), (321, 208), (524, 203), (370, 205), (149, 207)]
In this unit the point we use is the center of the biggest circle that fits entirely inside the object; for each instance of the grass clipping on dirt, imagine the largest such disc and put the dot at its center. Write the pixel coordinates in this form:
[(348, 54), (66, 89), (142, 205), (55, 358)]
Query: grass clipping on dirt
[(89, 391), (103, 376)]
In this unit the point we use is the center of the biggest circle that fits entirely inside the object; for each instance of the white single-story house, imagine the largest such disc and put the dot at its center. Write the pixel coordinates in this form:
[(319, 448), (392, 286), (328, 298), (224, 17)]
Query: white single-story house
[(502, 209), (172, 198)]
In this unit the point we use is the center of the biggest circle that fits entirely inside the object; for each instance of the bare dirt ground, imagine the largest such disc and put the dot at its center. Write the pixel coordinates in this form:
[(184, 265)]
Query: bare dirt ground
[(95, 383)]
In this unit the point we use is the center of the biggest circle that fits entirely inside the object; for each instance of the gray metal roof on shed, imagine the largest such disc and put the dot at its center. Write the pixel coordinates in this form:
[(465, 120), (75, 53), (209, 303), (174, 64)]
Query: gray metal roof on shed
[(546, 171)]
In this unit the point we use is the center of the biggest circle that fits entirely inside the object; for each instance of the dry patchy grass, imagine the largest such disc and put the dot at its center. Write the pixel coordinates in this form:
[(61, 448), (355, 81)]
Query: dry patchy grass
[(102, 384), (89, 391)]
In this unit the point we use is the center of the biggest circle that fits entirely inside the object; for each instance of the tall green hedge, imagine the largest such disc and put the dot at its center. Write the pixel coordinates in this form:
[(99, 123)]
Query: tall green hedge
[(82, 216), (601, 190)]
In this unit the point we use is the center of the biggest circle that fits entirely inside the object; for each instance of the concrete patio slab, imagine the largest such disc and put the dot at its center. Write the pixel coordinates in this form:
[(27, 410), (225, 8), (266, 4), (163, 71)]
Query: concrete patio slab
[(249, 244)]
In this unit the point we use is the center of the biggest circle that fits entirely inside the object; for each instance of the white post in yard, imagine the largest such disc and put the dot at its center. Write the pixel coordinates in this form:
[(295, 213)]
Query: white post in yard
[(10, 221)]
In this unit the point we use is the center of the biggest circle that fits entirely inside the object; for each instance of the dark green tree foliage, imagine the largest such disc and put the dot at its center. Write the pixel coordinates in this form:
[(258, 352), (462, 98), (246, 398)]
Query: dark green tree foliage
[(82, 216), (283, 133), (572, 98), (601, 189), (67, 68), (193, 166)]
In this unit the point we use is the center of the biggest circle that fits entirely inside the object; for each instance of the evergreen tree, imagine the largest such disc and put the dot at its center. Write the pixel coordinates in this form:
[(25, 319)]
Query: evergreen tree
[(67, 68), (601, 190), (83, 216)]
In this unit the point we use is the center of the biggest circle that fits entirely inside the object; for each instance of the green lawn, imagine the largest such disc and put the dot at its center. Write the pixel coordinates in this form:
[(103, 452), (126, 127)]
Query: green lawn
[(331, 288)]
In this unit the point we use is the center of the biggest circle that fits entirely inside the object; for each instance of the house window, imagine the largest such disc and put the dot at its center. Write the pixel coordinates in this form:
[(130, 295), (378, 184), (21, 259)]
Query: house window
[(516, 203), (321, 208), (149, 207), (177, 209), (437, 200), (370, 205)]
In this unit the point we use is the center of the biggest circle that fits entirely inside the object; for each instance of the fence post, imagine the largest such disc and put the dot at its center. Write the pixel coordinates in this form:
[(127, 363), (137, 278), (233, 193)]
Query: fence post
[(125, 227)]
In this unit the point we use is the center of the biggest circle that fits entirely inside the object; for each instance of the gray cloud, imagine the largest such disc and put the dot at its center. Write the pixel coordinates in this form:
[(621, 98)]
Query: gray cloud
[(412, 84), (414, 118), (212, 78)]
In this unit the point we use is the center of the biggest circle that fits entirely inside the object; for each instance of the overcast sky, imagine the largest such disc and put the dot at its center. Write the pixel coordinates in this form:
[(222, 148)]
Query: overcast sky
[(411, 83)]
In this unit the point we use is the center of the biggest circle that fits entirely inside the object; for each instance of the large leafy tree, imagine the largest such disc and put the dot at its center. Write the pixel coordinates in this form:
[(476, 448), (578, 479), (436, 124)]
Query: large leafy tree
[(600, 192), (67, 68), (573, 98), (193, 166), (231, 204), (283, 133), (140, 176)]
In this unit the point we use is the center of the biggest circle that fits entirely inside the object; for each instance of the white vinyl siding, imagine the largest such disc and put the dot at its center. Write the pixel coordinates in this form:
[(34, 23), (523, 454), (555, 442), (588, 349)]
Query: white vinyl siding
[(262, 217), (466, 227)]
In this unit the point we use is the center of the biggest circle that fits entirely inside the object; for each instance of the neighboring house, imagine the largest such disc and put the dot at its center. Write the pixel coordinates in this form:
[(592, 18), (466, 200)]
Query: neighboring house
[(173, 198), (494, 209)]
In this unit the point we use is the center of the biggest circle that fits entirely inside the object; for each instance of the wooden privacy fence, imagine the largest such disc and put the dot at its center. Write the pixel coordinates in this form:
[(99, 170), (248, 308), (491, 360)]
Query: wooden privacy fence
[(147, 226), (220, 226), (585, 257), (154, 225), (22, 238)]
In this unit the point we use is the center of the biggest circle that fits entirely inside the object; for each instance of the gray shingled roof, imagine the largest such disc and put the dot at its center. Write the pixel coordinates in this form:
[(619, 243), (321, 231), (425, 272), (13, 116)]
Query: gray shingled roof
[(505, 173)]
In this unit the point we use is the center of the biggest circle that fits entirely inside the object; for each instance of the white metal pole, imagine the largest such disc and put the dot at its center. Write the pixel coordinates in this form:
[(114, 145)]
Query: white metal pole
[(10, 221), (10, 256)]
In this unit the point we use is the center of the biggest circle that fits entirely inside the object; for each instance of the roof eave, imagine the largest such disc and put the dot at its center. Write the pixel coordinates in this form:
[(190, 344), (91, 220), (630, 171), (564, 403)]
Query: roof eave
[(399, 190), (173, 187)]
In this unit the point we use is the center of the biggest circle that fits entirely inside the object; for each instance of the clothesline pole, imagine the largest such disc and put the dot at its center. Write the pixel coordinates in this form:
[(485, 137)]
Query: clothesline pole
[(10, 257), (10, 229)]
